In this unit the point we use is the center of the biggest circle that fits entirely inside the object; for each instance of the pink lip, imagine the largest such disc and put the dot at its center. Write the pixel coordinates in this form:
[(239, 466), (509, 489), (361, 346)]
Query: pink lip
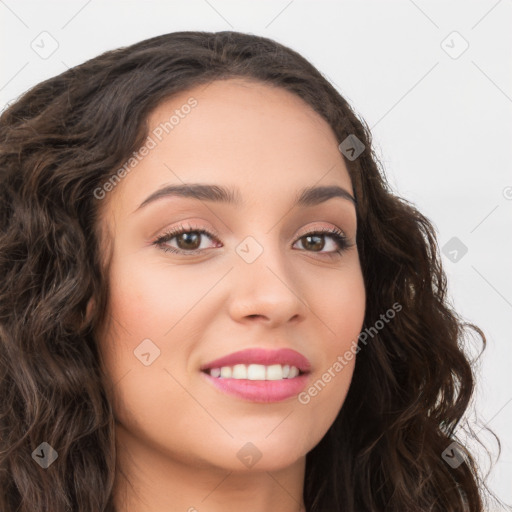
[(261, 390), (260, 356)]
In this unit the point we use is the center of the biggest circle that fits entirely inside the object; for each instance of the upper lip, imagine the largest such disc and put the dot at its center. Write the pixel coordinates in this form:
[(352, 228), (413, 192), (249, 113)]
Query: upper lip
[(261, 356)]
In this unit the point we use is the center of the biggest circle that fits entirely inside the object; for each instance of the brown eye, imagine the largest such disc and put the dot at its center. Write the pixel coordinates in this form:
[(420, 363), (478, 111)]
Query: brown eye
[(313, 242), (316, 242), (189, 241), (186, 240)]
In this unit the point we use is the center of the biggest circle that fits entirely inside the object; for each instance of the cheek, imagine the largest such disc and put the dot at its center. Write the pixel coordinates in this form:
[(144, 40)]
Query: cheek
[(323, 398), (149, 296), (339, 302), (149, 300), (145, 303), (341, 308)]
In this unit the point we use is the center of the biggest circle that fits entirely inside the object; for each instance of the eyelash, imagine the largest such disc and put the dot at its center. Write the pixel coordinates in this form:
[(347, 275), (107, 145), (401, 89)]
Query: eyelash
[(338, 235)]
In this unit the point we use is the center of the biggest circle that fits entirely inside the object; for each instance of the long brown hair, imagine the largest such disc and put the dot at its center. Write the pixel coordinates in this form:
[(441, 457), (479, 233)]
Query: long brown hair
[(62, 140)]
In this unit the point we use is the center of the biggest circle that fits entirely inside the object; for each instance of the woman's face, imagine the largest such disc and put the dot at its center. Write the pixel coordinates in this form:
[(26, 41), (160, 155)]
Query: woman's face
[(254, 281)]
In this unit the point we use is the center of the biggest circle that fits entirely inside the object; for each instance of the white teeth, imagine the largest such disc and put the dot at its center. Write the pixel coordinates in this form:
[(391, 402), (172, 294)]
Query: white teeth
[(239, 371), (274, 372), (225, 372), (293, 372), (255, 372)]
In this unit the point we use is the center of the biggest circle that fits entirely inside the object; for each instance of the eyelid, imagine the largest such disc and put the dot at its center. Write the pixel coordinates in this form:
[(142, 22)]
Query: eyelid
[(321, 229), (188, 226)]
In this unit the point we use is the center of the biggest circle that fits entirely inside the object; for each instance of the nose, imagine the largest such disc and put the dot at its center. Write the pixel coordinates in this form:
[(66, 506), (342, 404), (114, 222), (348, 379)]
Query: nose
[(266, 291)]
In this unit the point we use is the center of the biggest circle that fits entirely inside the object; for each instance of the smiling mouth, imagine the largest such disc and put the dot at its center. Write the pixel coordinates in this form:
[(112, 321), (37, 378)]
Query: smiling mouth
[(257, 372)]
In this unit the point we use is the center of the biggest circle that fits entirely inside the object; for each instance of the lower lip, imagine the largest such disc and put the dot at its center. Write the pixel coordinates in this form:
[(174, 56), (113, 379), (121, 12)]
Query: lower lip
[(264, 391)]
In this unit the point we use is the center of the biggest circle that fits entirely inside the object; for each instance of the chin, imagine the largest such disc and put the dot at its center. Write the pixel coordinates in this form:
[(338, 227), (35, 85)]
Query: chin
[(260, 454)]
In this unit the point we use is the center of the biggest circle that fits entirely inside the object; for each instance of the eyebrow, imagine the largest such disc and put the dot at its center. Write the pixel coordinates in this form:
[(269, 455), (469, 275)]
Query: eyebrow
[(309, 196)]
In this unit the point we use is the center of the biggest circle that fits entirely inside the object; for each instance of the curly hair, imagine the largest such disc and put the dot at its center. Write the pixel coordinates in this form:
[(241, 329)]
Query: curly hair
[(63, 139)]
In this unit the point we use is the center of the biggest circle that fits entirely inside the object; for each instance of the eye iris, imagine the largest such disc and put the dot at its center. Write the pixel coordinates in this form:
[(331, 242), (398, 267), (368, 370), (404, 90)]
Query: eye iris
[(189, 237), (318, 244)]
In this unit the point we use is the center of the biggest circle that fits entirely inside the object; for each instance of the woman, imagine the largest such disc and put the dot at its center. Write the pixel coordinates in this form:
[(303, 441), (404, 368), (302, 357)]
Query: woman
[(197, 245)]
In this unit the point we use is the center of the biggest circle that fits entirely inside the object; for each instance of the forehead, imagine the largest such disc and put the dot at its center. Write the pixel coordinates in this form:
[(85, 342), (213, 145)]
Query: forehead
[(239, 107), (261, 139)]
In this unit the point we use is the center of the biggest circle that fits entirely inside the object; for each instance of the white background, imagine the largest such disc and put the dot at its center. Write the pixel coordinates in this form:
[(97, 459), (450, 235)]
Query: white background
[(441, 125)]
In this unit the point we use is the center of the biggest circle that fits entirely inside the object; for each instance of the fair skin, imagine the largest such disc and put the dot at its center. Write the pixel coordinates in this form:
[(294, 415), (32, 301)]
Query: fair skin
[(177, 435)]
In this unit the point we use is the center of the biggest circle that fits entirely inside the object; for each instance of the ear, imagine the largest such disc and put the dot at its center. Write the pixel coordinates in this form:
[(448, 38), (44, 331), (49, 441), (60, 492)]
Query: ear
[(80, 320), (89, 309)]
